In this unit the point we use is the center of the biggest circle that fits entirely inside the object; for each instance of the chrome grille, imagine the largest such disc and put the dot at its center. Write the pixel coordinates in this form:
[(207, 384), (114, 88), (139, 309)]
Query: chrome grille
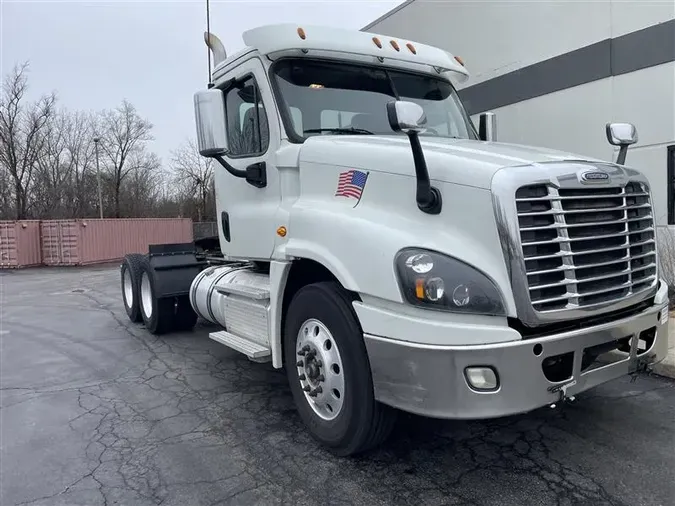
[(584, 247)]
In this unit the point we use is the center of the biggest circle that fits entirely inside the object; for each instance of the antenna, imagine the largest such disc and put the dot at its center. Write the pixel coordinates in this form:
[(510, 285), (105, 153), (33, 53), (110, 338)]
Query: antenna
[(208, 49)]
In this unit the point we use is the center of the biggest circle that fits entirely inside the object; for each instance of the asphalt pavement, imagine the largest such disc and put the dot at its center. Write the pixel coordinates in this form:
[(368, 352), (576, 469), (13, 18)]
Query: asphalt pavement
[(96, 411)]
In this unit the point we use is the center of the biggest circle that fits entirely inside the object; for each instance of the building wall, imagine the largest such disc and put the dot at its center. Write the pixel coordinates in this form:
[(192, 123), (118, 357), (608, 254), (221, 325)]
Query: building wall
[(500, 36), (556, 72), (574, 119)]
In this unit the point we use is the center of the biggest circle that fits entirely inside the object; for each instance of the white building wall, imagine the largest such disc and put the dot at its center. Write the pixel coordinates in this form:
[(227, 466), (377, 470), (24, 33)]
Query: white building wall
[(499, 37), (574, 120), (631, 15)]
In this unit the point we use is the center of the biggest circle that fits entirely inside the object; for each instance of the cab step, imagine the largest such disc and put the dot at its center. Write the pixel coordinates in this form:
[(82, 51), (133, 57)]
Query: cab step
[(252, 350)]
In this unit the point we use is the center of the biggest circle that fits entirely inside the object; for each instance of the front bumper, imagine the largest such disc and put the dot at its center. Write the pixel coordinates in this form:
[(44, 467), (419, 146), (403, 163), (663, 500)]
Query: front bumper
[(430, 379)]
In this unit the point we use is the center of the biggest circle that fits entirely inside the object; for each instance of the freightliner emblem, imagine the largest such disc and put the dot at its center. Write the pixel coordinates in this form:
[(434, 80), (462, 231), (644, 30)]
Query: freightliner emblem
[(593, 177)]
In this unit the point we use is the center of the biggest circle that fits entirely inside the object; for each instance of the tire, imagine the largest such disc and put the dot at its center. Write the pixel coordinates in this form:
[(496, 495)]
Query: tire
[(185, 317), (130, 278), (158, 314), (356, 422)]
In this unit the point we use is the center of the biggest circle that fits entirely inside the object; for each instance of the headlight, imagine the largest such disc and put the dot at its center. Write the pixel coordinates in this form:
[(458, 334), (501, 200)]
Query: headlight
[(436, 281)]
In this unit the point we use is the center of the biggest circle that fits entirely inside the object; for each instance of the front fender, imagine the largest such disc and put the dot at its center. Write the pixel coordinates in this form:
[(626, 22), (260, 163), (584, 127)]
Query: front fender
[(358, 243), (303, 248)]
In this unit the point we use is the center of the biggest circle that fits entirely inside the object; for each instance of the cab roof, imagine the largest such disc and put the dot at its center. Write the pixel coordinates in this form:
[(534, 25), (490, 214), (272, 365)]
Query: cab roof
[(279, 40)]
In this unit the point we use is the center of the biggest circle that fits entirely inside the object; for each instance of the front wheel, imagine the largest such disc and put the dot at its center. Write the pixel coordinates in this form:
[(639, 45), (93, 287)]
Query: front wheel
[(329, 373)]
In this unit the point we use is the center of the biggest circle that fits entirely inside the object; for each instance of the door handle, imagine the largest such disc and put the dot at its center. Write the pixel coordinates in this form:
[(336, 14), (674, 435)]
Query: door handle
[(256, 175)]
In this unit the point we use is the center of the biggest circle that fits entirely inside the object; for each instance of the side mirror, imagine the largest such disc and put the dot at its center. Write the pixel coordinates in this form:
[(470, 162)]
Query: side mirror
[(487, 127), (622, 135), (409, 118), (210, 121), (406, 117)]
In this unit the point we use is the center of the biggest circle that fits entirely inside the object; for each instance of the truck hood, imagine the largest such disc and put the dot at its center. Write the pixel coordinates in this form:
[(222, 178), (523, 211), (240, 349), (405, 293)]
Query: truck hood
[(459, 161)]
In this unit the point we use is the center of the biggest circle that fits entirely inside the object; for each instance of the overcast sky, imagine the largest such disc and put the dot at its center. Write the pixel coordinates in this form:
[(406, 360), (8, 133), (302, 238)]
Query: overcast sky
[(94, 54)]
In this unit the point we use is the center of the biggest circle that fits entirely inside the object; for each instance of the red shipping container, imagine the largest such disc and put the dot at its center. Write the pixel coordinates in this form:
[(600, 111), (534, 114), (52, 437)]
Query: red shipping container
[(60, 242), (81, 242), (19, 244)]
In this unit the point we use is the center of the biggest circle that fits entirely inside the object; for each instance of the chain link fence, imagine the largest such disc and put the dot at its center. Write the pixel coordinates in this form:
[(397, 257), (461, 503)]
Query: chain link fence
[(202, 229)]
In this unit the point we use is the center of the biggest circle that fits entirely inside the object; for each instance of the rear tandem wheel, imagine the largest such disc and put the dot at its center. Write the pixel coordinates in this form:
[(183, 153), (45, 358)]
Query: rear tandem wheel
[(162, 314), (130, 274)]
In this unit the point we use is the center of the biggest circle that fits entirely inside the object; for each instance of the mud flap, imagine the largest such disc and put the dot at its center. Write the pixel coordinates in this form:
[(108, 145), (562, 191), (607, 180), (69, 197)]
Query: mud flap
[(174, 267)]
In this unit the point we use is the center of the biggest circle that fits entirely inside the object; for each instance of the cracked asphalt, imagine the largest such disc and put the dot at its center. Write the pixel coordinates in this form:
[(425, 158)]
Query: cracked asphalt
[(96, 411)]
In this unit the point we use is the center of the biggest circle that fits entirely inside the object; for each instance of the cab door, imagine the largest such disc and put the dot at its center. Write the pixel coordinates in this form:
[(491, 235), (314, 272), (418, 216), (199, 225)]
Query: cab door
[(246, 212)]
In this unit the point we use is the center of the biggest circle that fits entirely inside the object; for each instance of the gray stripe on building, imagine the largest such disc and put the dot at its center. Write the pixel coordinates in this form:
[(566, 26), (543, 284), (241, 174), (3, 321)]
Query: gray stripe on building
[(654, 45), (641, 49), (651, 46)]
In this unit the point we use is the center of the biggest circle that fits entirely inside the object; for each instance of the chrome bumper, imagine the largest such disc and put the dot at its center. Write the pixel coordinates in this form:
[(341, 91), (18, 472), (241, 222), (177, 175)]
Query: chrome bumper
[(430, 379)]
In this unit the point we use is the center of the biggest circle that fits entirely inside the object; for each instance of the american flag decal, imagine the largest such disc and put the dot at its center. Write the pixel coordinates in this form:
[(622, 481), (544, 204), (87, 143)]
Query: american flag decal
[(351, 184)]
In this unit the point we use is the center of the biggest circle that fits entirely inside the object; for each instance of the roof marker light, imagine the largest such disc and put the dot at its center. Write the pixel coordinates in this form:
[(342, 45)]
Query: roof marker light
[(394, 44), (377, 42), (301, 34), (411, 48), (459, 60)]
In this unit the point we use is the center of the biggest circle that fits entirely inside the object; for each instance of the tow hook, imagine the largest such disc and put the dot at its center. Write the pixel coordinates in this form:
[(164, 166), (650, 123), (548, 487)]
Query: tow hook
[(642, 365), (562, 391)]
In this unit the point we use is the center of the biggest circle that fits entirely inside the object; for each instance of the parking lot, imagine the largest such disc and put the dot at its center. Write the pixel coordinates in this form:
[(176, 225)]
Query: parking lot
[(96, 411)]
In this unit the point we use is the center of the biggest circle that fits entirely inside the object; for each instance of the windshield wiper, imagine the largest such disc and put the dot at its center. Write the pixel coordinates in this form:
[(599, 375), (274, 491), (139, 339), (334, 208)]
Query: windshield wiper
[(349, 130)]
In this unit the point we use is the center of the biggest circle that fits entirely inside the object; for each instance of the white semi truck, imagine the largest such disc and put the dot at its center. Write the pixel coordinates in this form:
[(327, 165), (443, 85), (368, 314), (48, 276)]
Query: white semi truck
[(392, 257)]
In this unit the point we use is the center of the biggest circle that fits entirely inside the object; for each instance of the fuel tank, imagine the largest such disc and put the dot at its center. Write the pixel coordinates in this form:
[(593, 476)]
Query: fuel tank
[(235, 297)]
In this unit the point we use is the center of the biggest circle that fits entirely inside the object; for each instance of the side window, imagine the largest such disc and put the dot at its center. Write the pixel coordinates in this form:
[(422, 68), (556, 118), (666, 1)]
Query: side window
[(247, 127), (296, 117)]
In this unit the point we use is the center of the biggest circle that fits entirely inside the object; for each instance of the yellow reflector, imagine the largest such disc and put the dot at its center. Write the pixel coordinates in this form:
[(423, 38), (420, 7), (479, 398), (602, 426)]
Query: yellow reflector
[(419, 288), (281, 231)]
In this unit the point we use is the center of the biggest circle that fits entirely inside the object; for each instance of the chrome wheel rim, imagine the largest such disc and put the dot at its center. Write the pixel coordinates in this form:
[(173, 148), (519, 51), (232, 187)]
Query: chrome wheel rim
[(127, 289), (320, 371), (146, 295)]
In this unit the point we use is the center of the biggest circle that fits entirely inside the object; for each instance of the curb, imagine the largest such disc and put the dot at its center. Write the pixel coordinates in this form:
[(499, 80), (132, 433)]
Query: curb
[(667, 366)]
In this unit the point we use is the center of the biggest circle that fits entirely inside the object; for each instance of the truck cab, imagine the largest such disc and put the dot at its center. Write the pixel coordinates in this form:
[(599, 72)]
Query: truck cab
[(392, 256)]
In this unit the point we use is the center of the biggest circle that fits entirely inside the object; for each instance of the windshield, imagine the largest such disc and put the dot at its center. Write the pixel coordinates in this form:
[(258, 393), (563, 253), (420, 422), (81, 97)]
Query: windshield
[(328, 98)]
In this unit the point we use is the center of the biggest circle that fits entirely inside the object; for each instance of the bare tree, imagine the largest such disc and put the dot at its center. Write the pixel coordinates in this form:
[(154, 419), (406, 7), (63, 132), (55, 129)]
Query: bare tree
[(123, 134), (53, 170), (48, 162), (6, 205), (193, 175), (80, 146), (141, 189), (63, 183), (22, 136)]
